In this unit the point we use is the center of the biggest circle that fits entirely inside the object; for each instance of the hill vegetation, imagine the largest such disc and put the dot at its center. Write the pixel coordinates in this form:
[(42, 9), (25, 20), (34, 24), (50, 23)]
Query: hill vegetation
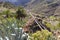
[(40, 22)]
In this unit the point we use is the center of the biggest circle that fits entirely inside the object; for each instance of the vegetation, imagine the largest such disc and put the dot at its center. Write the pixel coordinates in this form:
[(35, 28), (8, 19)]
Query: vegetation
[(20, 13), (53, 23), (11, 22), (10, 26), (41, 35)]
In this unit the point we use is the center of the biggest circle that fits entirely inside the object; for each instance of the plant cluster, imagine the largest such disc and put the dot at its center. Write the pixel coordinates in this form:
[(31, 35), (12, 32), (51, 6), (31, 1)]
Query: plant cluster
[(42, 35)]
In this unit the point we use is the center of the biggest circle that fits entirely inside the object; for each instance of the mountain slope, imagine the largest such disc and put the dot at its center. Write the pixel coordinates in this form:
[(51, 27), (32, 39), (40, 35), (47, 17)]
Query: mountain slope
[(7, 5), (44, 7)]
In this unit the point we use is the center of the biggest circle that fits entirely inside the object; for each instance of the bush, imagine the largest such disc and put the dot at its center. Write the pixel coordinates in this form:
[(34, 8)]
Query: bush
[(7, 13), (21, 13), (53, 27), (41, 35), (53, 23)]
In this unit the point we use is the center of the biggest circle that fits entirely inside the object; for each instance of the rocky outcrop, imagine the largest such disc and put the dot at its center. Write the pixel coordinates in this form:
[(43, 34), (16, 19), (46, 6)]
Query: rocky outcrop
[(32, 26)]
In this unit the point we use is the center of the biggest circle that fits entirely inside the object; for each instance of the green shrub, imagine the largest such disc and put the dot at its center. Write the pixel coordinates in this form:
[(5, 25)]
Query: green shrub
[(53, 27), (41, 35), (53, 23), (20, 13)]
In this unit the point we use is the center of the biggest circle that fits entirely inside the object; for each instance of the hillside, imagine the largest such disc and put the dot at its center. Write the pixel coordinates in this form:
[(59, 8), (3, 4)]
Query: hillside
[(44, 7), (30, 20), (7, 4)]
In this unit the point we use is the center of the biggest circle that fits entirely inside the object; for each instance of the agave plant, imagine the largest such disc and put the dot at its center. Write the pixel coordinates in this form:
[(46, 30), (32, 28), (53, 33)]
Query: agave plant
[(12, 31)]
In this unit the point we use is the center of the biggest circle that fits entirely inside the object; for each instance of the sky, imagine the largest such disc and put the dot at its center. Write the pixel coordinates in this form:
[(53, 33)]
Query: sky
[(12, 0), (15, 0), (18, 0)]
